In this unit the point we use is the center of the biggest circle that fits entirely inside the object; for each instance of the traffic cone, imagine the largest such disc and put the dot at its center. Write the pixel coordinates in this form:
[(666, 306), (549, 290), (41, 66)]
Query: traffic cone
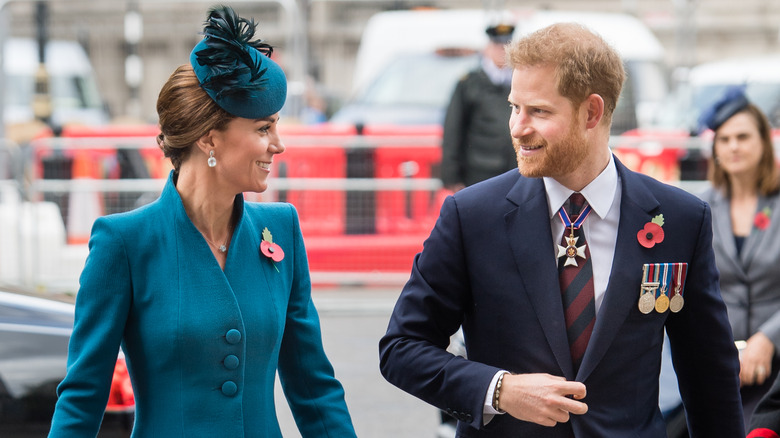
[(85, 203)]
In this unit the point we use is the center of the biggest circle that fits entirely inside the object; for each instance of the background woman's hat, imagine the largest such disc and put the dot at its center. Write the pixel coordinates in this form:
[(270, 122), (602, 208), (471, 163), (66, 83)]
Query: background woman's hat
[(236, 72), (732, 102)]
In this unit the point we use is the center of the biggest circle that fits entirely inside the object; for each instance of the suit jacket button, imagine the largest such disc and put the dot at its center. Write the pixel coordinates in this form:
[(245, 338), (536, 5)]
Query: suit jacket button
[(468, 418), (233, 336), (230, 362), (229, 388)]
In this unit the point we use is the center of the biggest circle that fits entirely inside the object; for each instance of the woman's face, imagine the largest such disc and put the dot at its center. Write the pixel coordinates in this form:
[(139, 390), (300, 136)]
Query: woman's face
[(738, 146), (245, 151)]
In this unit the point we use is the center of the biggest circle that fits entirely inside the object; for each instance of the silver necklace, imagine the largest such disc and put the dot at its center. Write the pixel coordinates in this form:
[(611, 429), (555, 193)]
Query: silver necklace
[(222, 248)]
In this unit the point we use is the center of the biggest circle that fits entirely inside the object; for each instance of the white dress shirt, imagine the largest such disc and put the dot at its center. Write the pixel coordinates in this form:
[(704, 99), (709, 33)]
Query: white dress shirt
[(603, 195)]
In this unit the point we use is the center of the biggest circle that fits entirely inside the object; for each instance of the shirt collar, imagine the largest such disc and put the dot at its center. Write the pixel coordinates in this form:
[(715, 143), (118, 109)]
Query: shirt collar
[(600, 193)]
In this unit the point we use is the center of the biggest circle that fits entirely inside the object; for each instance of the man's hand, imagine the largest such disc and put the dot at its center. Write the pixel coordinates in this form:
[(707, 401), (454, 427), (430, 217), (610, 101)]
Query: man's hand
[(541, 398)]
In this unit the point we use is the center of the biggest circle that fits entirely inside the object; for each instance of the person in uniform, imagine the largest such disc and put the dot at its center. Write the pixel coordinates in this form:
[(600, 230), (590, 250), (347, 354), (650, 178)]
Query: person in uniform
[(565, 275), (745, 202), (208, 295), (476, 144)]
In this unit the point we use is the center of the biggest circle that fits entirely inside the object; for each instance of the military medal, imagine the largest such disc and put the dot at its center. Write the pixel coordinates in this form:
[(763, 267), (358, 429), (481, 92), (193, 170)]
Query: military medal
[(571, 251), (677, 301), (646, 303), (648, 288), (662, 302)]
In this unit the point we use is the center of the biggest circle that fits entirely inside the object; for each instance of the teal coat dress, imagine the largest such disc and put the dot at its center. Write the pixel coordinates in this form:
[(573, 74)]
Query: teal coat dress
[(202, 346)]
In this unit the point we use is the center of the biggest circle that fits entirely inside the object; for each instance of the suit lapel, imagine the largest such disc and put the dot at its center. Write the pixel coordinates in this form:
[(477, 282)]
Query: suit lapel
[(754, 239), (245, 262), (721, 229), (637, 207), (529, 233), (201, 282)]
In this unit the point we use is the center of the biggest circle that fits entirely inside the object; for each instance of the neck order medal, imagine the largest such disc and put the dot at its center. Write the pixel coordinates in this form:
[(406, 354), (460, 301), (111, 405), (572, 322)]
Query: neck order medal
[(571, 251)]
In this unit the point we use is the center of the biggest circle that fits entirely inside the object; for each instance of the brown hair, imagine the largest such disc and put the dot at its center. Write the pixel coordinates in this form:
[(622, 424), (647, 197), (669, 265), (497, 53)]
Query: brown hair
[(186, 113), (767, 177), (584, 63)]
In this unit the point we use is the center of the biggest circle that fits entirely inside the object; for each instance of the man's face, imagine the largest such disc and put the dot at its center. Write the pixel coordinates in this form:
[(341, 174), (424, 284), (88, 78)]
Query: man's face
[(496, 52), (548, 133)]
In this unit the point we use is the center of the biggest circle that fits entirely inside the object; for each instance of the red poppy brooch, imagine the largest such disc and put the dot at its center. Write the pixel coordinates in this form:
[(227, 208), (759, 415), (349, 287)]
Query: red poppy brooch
[(652, 233), (269, 249), (761, 221), (763, 433)]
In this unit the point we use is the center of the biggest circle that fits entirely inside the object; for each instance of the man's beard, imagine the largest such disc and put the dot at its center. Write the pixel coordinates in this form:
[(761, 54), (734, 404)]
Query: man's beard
[(557, 159)]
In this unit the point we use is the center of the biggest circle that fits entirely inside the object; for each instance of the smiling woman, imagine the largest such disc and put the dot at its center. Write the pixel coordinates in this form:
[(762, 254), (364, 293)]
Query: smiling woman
[(206, 317)]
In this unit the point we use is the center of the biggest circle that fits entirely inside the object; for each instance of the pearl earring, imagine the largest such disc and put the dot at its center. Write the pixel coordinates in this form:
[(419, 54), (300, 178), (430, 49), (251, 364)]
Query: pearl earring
[(212, 161)]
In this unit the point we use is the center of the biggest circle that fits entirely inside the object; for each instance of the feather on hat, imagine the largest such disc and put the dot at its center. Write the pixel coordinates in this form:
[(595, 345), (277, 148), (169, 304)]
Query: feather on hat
[(236, 72)]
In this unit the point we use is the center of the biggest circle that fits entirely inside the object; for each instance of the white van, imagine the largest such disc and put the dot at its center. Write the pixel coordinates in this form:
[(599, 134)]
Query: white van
[(409, 62), (72, 84)]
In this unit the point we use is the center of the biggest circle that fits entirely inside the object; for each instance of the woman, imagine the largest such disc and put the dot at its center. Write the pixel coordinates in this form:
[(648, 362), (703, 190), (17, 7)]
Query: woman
[(208, 295), (746, 236)]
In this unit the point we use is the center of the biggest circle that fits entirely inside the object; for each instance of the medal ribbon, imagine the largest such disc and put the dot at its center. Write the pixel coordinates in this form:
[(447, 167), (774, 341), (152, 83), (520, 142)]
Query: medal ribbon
[(580, 219), (650, 273), (655, 269), (680, 282), (665, 283)]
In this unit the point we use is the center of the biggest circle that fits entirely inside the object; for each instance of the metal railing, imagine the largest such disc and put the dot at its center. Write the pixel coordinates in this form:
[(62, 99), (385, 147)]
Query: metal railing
[(366, 203)]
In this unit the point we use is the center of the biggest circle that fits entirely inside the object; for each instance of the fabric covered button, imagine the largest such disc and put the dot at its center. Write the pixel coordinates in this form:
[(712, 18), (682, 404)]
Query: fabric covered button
[(231, 362), (233, 336), (229, 388)]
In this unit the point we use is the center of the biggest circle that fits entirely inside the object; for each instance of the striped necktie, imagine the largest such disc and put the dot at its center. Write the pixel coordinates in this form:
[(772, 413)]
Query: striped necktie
[(575, 273)]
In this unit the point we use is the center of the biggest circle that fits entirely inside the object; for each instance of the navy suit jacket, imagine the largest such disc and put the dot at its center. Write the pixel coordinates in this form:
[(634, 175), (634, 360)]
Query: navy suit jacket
[(489, 265)]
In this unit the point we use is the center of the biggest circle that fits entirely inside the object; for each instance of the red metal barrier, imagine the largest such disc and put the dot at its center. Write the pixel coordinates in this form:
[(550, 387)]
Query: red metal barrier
[(655, 153), (402, 217), (406, 211), (321, 212)]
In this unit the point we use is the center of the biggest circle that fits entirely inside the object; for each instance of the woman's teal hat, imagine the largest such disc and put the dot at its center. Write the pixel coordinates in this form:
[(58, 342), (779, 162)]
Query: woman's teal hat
[(237, 73)]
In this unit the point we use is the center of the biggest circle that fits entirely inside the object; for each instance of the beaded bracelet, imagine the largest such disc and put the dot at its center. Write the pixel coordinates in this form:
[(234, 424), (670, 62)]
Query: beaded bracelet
[(496, 394)]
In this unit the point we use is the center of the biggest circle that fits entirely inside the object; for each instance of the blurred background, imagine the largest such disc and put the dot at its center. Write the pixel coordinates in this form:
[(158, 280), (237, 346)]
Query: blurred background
[(134, 45), (369, 82)]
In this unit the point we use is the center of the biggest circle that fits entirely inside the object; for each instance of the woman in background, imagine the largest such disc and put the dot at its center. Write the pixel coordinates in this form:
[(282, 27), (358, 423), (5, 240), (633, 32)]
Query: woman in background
[(208, 295), (746, 236)]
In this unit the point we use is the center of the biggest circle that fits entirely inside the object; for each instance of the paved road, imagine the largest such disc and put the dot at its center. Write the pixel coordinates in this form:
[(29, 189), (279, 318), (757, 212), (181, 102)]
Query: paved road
[(353, 320)]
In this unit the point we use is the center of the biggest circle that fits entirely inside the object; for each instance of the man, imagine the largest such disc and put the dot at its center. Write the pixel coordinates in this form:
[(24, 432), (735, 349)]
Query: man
[(476, 144), (564, 324)]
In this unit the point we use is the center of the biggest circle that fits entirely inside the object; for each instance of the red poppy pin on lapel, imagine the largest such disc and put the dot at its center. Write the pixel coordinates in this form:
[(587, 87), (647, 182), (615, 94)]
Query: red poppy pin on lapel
[(652, 233), (269, 249), (761, 221)]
